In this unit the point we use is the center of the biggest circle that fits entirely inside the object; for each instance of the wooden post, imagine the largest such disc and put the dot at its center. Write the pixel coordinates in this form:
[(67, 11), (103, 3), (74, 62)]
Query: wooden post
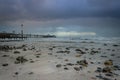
[(22, 31)]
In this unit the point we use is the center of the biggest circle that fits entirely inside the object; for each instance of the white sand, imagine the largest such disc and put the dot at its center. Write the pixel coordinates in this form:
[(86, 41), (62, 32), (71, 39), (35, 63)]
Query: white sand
[(44, 67)]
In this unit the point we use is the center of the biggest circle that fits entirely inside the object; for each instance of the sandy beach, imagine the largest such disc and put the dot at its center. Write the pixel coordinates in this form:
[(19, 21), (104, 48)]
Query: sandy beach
[(59, 60)]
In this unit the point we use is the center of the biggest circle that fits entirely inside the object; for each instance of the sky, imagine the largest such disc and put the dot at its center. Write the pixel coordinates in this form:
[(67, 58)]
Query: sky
[(61, 17)]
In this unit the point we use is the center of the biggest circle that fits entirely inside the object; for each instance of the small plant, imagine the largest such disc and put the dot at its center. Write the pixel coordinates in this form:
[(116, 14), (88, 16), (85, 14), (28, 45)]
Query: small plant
[(20, 59), (108, 63)]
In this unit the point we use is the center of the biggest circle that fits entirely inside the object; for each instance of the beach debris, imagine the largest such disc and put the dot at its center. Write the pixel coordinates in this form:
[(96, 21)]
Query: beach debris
[(93, 78), (20, 59), (32, 61), (65, 65), (16, 73), (115, 45), (6, 64), (91, 42), (99, 48), (105, 44), (20, 47), (30, 73), (108, 63), (112, 54), (78, 55), (99, 76), (99, 62), (118, 56), (63, 52), (67, 48), (89, 71), (83, 63), (24, 49), (92, 62), (90, 58), (104, 56), (104, 78), (81, 67), (77, 68), (116, 74), (66, 68), (113, 50), (108, 49), (37, 56), (24, 45), (70, 64), (38, 51), (83, 42), (79, 51), (49, 53), (16, 52), (50, 48), (54, 47), (116, 67), (106, 70), (58, 65), (93, 52), (60, 58), (32, 48), (99, 69), (6, 47), (109, 75), (5, 56), (66, 60), (86, 49)]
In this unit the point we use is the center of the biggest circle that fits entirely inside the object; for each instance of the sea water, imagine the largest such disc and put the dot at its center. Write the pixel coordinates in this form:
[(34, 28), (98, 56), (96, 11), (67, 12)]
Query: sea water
[(79, 39)]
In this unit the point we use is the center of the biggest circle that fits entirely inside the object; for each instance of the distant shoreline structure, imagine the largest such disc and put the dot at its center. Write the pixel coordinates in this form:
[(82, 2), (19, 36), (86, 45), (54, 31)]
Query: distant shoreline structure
[(23, 36)]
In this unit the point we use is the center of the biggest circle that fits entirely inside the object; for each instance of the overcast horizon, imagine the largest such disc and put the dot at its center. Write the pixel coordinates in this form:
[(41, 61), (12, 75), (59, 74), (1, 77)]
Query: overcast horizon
[(61, 17)]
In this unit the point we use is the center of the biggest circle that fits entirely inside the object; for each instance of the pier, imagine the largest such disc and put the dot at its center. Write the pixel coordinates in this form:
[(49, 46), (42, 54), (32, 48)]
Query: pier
[(23, 36)]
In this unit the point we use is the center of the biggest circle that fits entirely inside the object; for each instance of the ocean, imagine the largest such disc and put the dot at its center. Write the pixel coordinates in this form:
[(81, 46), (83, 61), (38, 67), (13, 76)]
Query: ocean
[(80, 39)]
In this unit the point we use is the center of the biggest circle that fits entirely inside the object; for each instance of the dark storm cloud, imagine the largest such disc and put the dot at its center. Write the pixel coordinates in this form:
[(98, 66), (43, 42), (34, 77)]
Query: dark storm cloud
[(57, 9)]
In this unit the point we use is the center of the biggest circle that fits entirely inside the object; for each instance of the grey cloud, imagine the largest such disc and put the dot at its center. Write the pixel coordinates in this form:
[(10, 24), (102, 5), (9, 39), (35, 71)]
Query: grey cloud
[(57, 9)]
